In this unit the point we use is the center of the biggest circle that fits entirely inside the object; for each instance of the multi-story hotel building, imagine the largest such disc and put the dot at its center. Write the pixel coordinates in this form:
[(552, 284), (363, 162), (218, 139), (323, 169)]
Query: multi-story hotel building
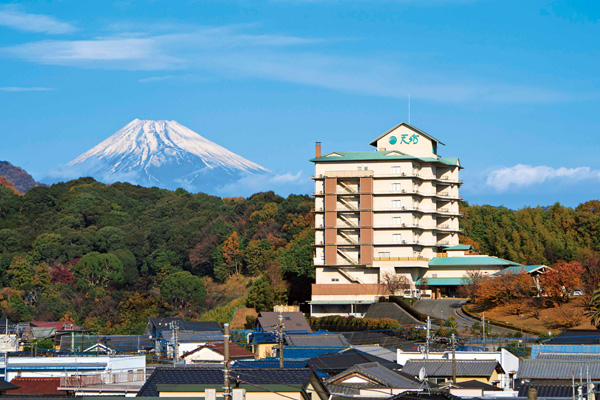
[(388, 211)]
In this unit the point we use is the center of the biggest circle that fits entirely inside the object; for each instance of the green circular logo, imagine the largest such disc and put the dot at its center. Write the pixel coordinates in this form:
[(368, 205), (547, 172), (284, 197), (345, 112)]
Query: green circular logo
[(393, 139)]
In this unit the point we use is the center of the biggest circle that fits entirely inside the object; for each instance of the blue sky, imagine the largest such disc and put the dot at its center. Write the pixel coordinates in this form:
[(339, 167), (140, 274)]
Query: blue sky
[(510, 87)]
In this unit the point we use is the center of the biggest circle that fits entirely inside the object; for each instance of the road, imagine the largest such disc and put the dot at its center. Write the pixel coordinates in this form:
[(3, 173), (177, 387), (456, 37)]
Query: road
[(444, 308)]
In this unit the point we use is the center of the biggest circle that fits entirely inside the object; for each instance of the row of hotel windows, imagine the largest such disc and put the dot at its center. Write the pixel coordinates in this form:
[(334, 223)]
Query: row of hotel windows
[(397, 170)]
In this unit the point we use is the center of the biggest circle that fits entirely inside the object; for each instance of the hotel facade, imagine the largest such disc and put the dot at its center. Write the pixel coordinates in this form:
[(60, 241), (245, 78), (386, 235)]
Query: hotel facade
[(388, 212)]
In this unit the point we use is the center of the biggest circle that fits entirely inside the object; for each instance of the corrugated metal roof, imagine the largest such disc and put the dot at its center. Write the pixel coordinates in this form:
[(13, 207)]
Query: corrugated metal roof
[(443, 368), (471, 260), (382, 156), (459, 247), (569, 356), (558, 369)]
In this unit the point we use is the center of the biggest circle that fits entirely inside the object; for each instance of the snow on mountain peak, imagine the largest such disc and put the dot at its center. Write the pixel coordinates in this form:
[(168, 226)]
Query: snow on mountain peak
[(163, 153)]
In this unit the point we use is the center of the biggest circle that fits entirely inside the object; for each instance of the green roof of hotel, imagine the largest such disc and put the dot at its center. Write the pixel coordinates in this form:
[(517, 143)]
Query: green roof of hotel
[(471, 261), (459, 247), (441, 281), (381, 156)]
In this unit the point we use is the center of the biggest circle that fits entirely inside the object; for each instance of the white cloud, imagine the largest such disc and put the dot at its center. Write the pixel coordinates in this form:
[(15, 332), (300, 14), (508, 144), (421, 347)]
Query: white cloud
[(522, 175), (233, 52), (24, 89), (281, 183), (12, 17)]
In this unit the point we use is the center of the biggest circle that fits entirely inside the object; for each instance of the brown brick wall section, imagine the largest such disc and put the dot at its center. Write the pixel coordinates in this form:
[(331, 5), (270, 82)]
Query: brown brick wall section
[(330, 236), (330, 219), (330, 184), (366, 254), (330, 255), (347, 289), (366, 184)]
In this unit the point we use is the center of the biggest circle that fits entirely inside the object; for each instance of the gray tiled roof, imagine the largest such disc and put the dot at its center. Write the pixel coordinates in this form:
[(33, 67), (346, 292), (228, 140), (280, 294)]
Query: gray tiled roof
[(193, 336), (558, 369), (550, 390), (443, 368), (325, 340), (380, 374), (569, 356), (294, 321)]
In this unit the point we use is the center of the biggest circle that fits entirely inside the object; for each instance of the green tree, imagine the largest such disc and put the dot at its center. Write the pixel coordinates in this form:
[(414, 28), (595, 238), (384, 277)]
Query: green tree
[(183, 291), (99, 270), (49, 246), (19, 272), (262, 296), (256, 255)]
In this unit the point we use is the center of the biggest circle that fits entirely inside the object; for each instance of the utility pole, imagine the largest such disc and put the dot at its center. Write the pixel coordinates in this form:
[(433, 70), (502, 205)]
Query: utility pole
[(453, 359), (227, 387), (428, 338), (280, 328), (174, 331), (483, 326)]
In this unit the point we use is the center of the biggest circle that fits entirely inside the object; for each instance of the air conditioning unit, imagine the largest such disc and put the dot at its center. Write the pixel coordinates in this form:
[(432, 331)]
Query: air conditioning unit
[(403, 191), (404, 225), (404, 242)]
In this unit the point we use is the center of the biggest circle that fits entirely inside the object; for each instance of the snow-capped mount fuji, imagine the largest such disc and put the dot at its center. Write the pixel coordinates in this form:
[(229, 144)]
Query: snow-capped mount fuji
[(164, 154)]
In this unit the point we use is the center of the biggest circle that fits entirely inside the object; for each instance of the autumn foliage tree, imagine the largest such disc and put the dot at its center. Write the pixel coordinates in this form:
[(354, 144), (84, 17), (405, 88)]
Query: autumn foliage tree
[(562, 279), (233, 255), (500, 289)]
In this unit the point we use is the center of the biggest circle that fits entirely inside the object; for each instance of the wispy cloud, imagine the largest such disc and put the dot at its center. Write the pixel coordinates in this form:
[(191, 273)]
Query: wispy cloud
[(13, 17), (24, 89), (233, 52), (522, 175), (281, 183)]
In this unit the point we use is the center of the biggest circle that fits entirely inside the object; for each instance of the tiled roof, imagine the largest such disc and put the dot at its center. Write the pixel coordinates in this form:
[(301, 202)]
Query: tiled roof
[(4, 386), (272, 362), (558, 369), (214, 376), (569, 356), (117, 343), (378, 338), (471, 260), (235, 350), (379, 374), (527, 268), (36, 386), (291, 321), (63, 326), (324, 340), (382, 156), (332, 364), (443, 368), (550, 390), (475, 384)]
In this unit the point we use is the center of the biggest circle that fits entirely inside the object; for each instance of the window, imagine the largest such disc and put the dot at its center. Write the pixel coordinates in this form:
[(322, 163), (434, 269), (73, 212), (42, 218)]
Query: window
[(396, 187), (396, 203), (397, 238), (396, 170), (335, 279), (396, 221), (384, 254)]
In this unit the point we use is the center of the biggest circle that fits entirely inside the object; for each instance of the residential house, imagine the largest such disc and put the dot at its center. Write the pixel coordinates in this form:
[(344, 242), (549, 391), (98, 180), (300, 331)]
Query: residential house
[(508, 361), (331, 364), (371, 380), (440, 371), (214, 352), (257, 384), (292, 321)]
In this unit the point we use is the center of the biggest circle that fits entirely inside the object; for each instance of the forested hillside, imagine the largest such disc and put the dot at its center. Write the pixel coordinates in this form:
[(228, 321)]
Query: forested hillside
[(108, 257), (539, 235)]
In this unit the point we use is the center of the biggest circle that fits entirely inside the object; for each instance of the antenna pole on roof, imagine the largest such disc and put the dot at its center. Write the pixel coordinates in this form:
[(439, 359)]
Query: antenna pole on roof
[(409, 104), (280, 329)]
